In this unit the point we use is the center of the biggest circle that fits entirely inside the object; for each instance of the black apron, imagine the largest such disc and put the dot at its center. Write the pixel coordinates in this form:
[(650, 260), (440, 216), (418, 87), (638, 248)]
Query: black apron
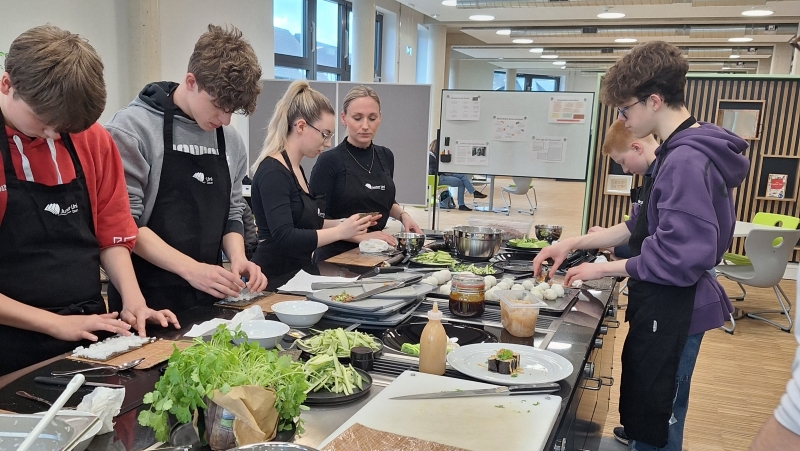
[(49, 257), (274, 264), (364, 192), (190, 214), (659, 317)]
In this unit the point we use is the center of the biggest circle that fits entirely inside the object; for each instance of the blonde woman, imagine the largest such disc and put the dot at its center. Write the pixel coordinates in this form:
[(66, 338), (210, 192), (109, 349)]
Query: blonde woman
[(291, 222), (357, 175)]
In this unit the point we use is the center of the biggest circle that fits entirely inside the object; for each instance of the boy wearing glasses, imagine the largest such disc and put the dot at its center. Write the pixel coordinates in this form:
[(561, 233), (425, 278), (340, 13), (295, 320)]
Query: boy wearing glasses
[(679, 233), (184, 168)]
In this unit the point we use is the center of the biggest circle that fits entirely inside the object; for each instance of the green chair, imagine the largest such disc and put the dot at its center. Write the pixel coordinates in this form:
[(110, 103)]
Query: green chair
[(761, 218), (432, 192)]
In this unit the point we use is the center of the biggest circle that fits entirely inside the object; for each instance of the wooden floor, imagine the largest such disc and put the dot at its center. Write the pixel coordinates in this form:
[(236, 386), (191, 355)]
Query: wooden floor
[(738, 379)]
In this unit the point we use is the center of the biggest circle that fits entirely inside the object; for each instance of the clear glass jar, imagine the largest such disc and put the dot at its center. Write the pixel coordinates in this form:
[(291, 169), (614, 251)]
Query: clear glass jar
[(467, 295)]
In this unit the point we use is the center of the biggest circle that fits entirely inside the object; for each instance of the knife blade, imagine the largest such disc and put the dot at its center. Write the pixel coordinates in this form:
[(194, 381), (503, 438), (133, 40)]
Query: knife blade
[(64, 381), (525, 389), (382, 289), (355, 283)]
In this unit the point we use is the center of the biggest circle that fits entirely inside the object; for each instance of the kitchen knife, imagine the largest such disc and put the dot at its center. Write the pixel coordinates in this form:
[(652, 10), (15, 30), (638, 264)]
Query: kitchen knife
[(526, 389), (386, 287), (65, 381), (355, 283)]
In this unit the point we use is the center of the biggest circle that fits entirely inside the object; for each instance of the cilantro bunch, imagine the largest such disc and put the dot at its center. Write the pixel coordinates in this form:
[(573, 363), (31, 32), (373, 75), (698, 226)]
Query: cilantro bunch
[(194, 373)]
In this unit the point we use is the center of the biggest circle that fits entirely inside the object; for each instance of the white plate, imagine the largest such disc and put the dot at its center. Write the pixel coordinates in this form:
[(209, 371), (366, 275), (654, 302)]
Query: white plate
[(539, 366)]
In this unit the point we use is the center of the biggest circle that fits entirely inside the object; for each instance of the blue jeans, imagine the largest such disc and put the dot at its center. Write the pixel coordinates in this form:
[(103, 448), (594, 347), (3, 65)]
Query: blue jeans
[(681, 403), (460, 181)]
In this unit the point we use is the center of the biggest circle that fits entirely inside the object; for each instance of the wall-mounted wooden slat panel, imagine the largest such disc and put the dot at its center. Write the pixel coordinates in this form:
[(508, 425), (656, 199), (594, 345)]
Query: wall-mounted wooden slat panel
[(780, 135)]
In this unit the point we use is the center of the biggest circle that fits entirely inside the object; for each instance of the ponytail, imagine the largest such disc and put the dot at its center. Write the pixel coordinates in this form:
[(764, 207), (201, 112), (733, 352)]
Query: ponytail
[(299, 102)]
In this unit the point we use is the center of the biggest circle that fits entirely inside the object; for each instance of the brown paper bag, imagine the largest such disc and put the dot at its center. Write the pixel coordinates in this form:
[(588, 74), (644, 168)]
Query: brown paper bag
[(243, 416)]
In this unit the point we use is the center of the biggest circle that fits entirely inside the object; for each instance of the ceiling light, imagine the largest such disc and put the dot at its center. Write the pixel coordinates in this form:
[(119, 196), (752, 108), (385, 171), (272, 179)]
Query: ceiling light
[(481, 17), (559, 63), (625, 40), (734, 56), (552, 57), (563, 67), (536, 50), (758, 12), (522, 41), (449, 3), (607, 15), (503, 31), (740, 39)]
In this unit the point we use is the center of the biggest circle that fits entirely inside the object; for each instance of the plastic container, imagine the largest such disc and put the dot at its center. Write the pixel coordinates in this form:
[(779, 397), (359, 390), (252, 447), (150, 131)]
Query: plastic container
[(511, 229), (519, 311), (433, 344), (467, 295)]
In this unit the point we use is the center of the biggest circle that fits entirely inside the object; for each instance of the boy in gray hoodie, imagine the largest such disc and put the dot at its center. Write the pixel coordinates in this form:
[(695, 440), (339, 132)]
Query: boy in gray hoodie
[(184, 168)]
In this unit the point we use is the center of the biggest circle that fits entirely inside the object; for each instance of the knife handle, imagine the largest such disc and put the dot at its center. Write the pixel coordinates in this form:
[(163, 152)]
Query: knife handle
[(51, 380), (527, 389)]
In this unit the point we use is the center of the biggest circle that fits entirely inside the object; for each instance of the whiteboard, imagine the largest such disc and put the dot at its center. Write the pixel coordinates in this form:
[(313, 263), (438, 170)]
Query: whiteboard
[(516, 133), (405, 113)]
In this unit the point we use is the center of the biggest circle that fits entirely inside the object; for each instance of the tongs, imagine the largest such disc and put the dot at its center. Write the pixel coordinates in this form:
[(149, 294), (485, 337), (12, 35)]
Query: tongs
[(112, 368)]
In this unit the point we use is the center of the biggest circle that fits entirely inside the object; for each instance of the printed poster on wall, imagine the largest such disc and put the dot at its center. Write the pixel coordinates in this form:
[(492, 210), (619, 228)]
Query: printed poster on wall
[(472, 153), (462, 107), (549, 149), (509, 127), (568, 109)]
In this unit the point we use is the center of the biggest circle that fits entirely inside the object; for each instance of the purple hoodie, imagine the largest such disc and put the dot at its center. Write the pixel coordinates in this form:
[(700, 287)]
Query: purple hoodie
[(691, 218)]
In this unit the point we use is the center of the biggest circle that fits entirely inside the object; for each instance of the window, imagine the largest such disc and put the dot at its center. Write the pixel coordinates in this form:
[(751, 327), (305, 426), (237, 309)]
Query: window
[(528, 82), (312, 39), (499, 81)]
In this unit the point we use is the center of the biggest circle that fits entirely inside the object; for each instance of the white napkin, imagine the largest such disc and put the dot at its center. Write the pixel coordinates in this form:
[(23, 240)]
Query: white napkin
[(301, 282), (208, 327), (105, 403)]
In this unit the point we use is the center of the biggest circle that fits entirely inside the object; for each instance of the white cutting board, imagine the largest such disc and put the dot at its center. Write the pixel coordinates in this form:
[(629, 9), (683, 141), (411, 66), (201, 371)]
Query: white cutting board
[(474, 423)]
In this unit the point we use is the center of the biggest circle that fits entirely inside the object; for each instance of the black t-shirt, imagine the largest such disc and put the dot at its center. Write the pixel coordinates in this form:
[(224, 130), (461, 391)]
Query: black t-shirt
[(328, 175), (277, 206)]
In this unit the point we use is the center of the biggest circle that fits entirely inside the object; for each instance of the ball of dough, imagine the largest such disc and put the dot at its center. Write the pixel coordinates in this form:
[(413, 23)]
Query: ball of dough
[(538, 293), (490, 281), (543, 286), (528, 284), (445, 289), (518, 287), (550, 294), (491, 295), (559, 289)]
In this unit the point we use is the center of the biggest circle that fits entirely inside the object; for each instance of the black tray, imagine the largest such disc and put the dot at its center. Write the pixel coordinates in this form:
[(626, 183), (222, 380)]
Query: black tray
[(327, 398), (410, 333)]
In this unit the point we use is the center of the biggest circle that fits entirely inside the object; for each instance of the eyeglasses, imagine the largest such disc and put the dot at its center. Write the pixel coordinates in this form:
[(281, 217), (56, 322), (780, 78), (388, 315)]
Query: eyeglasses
[(795, 42), (624, 110), (325, 136)]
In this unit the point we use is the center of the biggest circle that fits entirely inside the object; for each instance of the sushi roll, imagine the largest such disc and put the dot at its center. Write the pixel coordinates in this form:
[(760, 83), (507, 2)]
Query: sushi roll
[(504, 362)]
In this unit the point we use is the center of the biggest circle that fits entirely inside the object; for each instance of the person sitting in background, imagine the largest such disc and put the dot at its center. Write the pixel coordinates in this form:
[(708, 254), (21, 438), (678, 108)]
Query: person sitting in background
[(291, 222), (460, 181), (636, 156)]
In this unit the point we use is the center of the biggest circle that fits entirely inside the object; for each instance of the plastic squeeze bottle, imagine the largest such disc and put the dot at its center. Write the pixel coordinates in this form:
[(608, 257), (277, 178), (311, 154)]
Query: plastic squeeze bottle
[(433, 344)]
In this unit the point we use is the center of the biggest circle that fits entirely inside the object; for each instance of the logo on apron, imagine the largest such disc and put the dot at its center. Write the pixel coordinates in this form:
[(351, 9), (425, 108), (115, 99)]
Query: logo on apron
[(56, 209), (320, 213), (200, 177), (2, 188), (380, 187)]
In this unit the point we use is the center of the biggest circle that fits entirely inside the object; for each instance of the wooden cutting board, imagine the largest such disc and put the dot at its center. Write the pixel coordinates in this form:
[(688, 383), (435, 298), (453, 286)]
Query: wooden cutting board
[(523, 422), (265, 302), (153, 353), (354, 257)]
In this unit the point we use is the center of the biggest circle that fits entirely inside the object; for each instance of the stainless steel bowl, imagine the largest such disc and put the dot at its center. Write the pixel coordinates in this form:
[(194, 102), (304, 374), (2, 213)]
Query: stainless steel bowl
[(476, 243), (548, 233), (274, 446), (409, 243)]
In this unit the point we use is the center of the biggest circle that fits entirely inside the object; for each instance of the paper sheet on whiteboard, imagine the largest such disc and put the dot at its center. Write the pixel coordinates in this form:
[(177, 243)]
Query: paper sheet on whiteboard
[(473, 153), (549, 149), (463, 107), (509, 127), (567, 109)]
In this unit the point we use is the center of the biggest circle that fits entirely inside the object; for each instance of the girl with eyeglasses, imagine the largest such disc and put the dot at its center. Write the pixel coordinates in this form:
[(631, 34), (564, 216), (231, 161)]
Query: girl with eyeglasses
[(291, 222)]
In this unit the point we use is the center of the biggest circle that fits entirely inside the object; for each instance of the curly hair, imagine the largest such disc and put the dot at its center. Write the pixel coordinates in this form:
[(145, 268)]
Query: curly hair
[(59, 76), (226, 67), (652, 68)]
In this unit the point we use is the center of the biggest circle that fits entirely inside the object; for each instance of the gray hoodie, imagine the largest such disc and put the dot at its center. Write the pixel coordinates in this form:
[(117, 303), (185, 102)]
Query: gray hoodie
[(138, 132)]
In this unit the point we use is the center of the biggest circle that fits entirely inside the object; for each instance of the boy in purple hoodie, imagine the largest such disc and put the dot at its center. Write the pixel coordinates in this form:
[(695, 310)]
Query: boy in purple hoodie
[(680, 232)]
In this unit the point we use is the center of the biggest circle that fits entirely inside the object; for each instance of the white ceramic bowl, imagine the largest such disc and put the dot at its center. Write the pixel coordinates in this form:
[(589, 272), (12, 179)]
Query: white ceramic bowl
[(265, 332), (299, 313)]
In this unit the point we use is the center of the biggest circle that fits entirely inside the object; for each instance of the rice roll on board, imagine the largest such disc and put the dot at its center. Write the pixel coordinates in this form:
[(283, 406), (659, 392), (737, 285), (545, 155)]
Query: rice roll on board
[(504, 362)]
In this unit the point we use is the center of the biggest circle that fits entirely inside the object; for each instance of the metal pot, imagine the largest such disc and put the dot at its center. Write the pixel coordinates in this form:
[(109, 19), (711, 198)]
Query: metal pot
[(409, 243), (549, 233), (476, 243)]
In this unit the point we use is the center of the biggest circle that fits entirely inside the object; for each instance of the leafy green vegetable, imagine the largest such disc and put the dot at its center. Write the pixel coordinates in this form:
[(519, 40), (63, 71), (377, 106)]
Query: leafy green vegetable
[(325, 371), (410, 349), (435, 258), (528, 243), (194, 373), (478, 270), (336, 342), (505, 354)]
